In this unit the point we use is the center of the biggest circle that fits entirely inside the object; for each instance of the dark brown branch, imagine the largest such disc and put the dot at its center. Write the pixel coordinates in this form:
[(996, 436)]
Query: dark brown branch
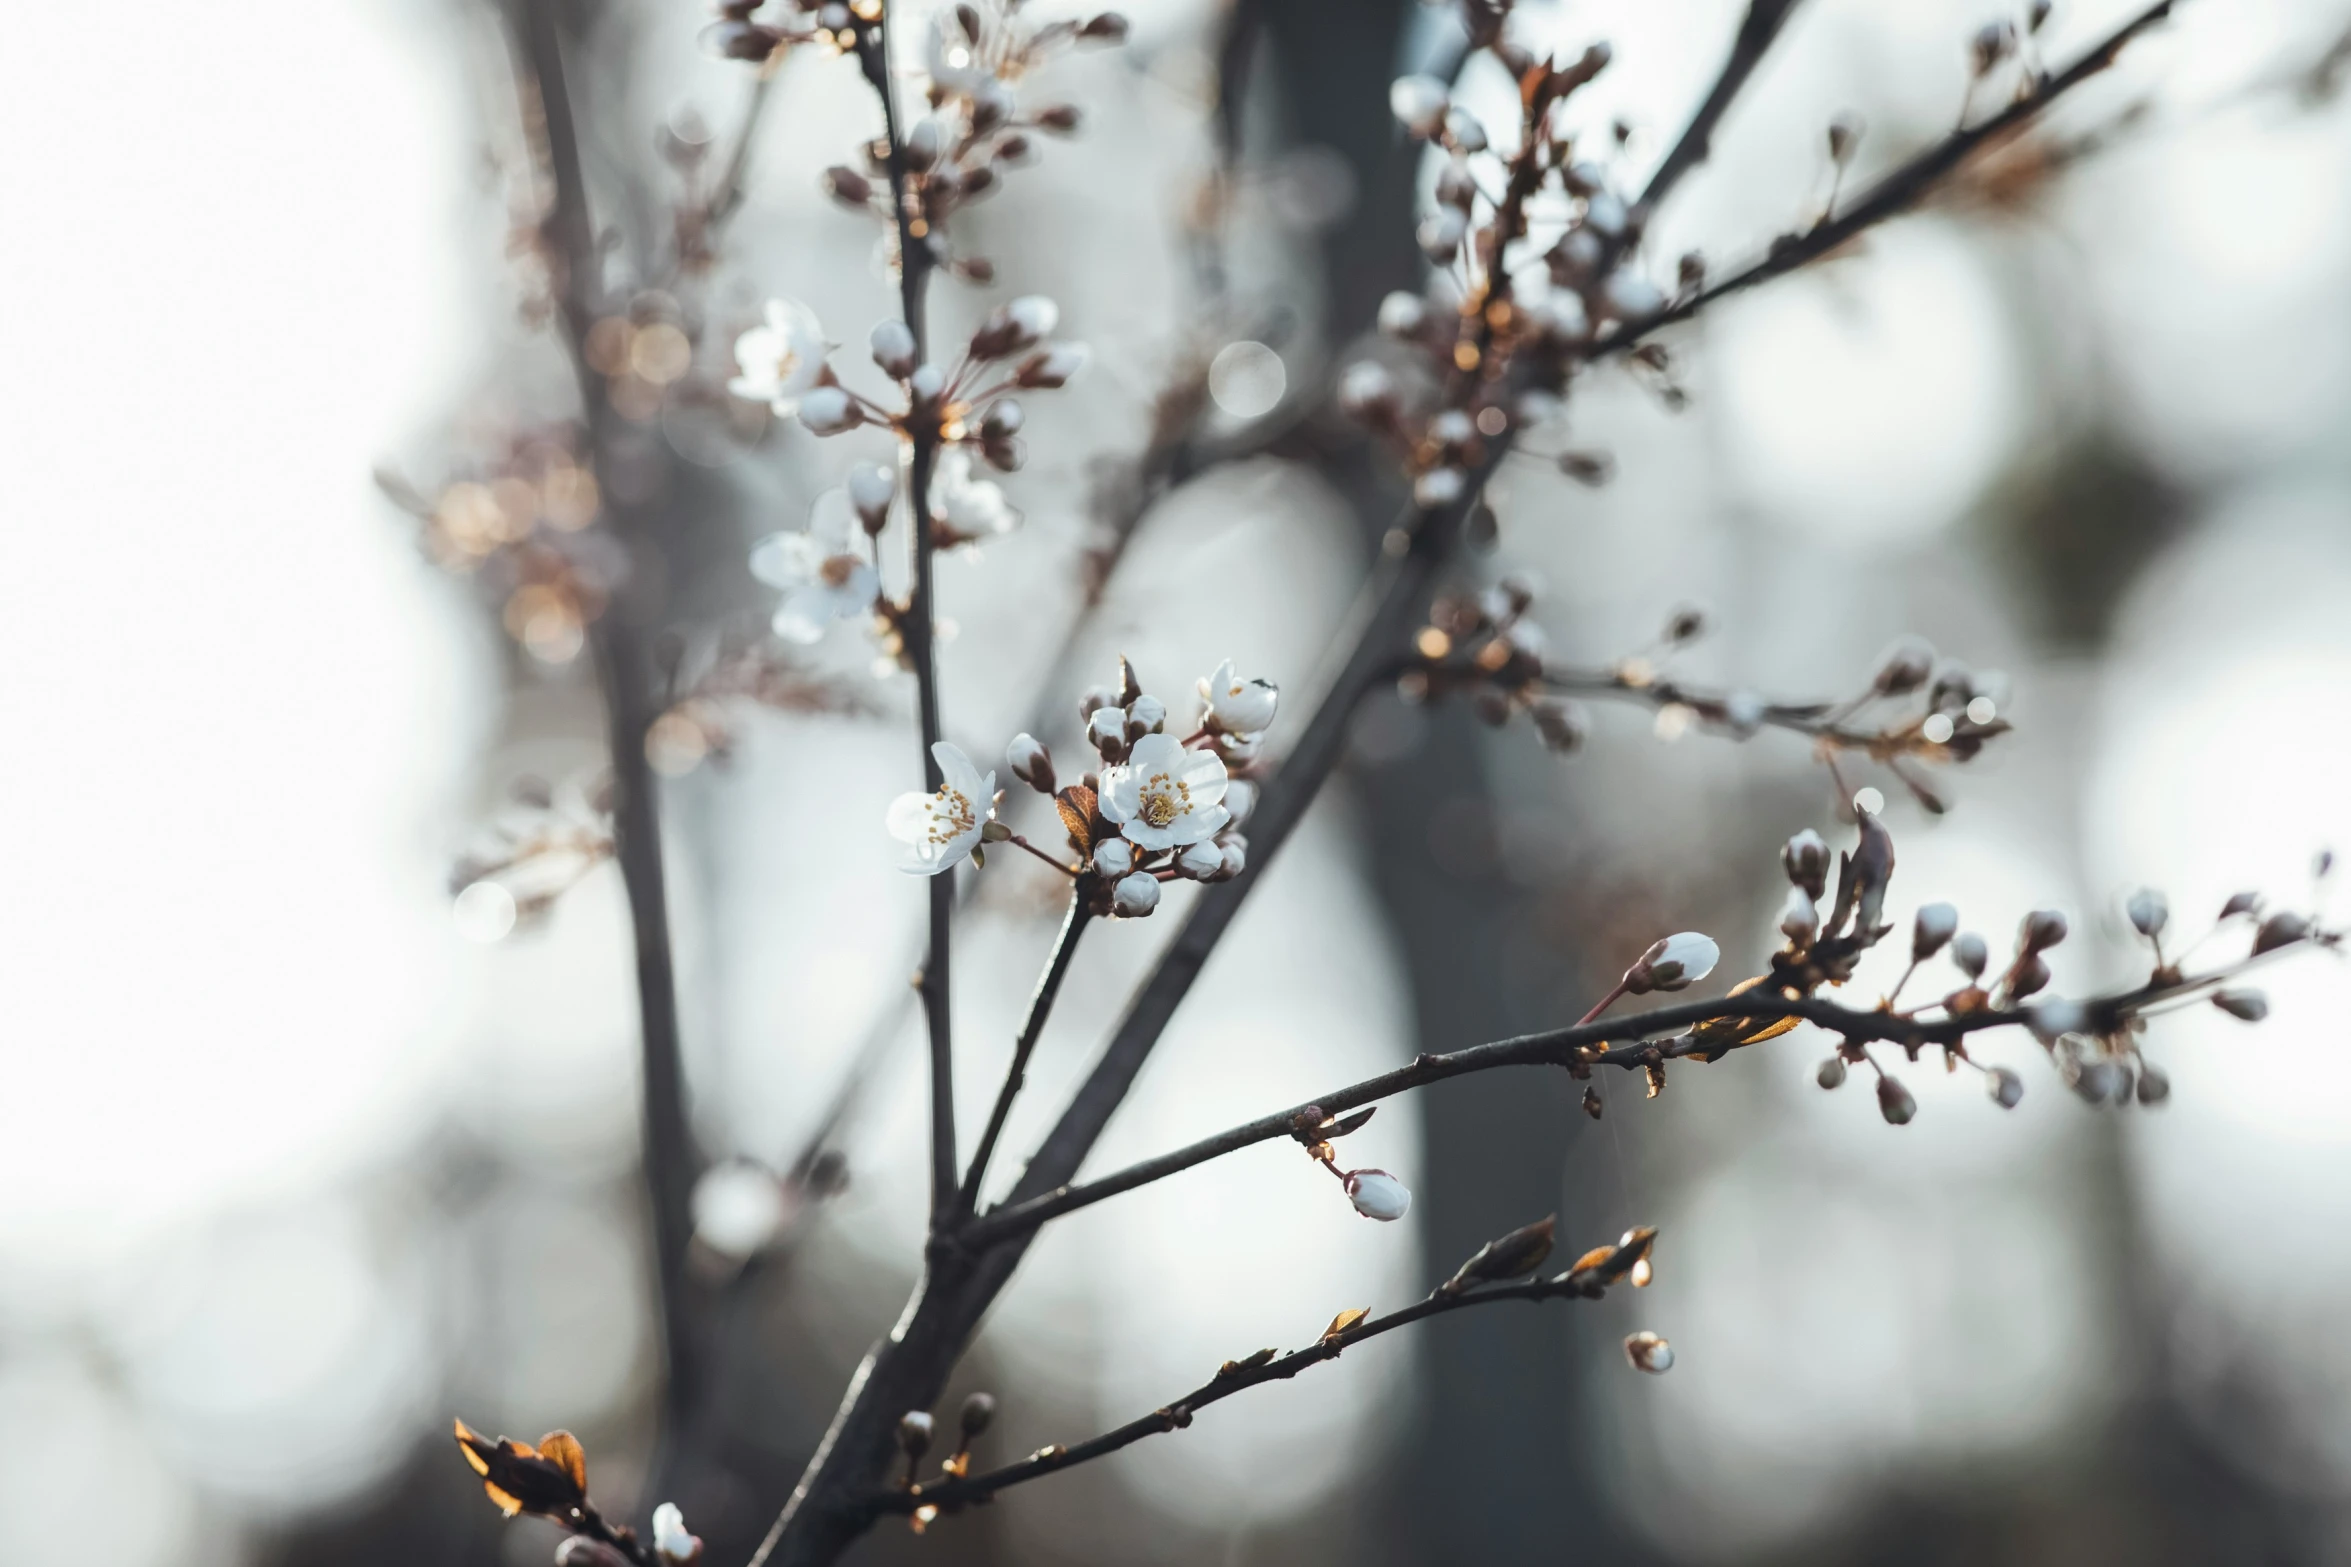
[(1895, 193), (1638, 1044), (919, 624), (947, 1494), (669, 1155), (1065, 946), (1757, 31)]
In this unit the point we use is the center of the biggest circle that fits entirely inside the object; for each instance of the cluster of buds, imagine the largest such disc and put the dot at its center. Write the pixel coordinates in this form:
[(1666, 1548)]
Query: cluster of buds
[(982, 120), (549, 1479), (1484, 644), (1159, 808), (786, 363), (523, 529), (917, 1431), (543, 844), (1484, 349), (1373, 1193)]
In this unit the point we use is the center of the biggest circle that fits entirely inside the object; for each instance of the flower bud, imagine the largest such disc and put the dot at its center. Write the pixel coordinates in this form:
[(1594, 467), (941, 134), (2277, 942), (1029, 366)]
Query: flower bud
[(1904, 666), (1367, 392), (2149, 912), (1465, 130), (1237, 706), (2249, 1004), (1003, 419), (979, 1412), (2005, 1087), (2053, 1019), (871, 489), (1106, 731), (894, 349), (1202, 861), (1935, 925), (1015, 325), (1236, 854), (1240, 798), (1113, 858), (848, 187), (1095, 698), (1800, 918), (1674, 963), (1054, 365), (2040, 930), (1403, 314), (2154, 1085), (1831, 1073), (2099, 1081), (2028, 976), (1440, 233), (1560, 722), (2240, 903), (1439, 487), (1378, 1195), (1135, 895), (1146, 715), (914, 1432), (670, 1539), (1745, 712), (1632, 298), (1894, 1101), (828, 410), (1107, 28), (1420, 103), (2281, 929), (1030, 762), (1969, 952), (1648, 1352), (1605, 212), (1805, 858), (1452, 430), (925, 141)]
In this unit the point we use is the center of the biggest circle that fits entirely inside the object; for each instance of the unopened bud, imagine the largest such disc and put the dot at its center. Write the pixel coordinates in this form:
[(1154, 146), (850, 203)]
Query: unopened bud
[(1236, 854), (1685, 624), (2240, 903), (670, 1537), (1378, 1195), (2040, 930), (914, 1432), (1202, 861), (1054, 365), (1844, 136), (2100, 1081), (1419, 102), (925, 142), (1107, 28), (1805, 858), (1648, 1352), (1894, 1101), (1004, 418), (2154, 1084), (1135, 895), (1367, 392), (1800, 918), (894, 349), (1970, 953), (2029, 976), (1674, 963), (1106, 731), (1240, 798), (2251, 1005), (1402, 314), (1993, 42), (1061, 119), (1113, 858), (1146, 715), (2005, 1087), (1030, 762), (1015, 325), (2055, 1018), (848, 187), (1831, 1073), (1440, 233), (2281, 929), (979, 1412), (1935, 925), (1094, 698), (2148, 911), (871, 489), (828, 410)]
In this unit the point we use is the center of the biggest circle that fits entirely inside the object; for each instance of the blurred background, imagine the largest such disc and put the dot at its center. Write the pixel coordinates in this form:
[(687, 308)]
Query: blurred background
[(299, 1156)]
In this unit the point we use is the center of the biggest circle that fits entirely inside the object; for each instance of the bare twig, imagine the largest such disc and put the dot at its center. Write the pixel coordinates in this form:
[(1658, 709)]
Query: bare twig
[(1756, 33), (1065, 945)]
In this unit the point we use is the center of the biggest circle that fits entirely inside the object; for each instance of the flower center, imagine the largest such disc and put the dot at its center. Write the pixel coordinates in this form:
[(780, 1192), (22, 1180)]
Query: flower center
[(837, 570), (1164, 799), (951, 815)]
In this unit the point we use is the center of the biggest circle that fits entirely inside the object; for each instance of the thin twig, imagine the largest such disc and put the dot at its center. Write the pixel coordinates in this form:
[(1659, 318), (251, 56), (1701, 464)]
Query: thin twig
[(1757, 31), (1638, 1045), (951, 1493), (1065, 946)]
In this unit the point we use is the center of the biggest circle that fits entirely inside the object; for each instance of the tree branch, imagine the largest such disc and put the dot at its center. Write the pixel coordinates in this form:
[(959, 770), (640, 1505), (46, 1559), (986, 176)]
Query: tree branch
[(1582, 1047), (914, 273), (1757, 31), (1065, 946), (948, 1494)]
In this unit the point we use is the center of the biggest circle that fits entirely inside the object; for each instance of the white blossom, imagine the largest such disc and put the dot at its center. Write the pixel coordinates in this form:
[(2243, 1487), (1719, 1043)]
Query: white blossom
[(1236, 706), (1378, 1195), (781, 360), (1420, 103), (940, 830), (1135, 895), (972, 507), (822, 580), (1164, 796)]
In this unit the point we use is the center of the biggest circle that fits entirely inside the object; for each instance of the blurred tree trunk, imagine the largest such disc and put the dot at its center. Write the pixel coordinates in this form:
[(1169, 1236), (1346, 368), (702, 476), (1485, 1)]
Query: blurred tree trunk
[(1493, 1470)]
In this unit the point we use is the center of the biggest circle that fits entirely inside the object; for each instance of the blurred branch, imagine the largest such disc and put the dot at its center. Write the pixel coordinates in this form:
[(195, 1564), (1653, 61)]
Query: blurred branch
[(1895, 193), (1073, 925), (1637, 1045), (948, 1494), (1756, 33)]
